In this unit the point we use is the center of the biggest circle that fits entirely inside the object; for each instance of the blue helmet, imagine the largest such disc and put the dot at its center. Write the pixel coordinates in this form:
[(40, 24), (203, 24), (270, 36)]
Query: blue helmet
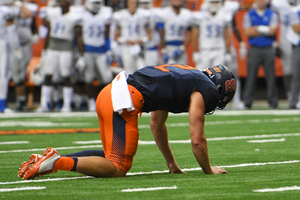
[(225, 81)]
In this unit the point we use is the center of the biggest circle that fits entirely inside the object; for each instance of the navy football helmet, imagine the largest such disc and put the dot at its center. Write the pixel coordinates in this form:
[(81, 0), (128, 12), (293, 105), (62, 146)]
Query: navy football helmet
[(225, 81)]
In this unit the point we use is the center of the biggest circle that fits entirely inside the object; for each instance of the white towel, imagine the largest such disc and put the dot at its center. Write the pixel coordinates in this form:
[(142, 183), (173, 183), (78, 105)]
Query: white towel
[(120, 94)]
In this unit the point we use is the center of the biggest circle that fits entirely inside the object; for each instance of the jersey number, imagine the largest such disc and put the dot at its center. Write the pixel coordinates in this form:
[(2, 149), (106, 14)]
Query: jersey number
[(95, 31), (213, 31), (174, 32), (164, 69), (59, 27)]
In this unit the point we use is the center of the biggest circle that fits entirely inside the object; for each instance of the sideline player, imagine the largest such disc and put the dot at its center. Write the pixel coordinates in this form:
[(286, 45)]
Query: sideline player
[(96, 21), (158, 89), (10, 52), (211, 29), (6, 18), (151, 53), (130, 25), (59, 44), (285, 14), (27, 33), (174, 27)]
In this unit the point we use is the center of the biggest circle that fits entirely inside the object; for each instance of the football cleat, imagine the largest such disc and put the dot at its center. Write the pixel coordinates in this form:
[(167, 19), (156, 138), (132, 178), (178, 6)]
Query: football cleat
[(43, 166), (41, 109), (26, 165)]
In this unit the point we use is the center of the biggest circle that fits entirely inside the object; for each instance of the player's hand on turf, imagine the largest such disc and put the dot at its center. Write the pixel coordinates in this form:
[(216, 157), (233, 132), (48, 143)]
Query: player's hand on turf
[(217, 170), (174, 168)]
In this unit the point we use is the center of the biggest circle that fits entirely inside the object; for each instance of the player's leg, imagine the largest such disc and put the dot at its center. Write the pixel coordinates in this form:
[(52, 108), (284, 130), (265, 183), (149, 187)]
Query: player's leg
[(89, 76), (295, 84), (286, 60), (20, 87), (119, 135), (128, 60), (233, 65), (205, 60), (151, 57), (4, 76), (65, 65), (253, 63), (269, 68), (51, 66)]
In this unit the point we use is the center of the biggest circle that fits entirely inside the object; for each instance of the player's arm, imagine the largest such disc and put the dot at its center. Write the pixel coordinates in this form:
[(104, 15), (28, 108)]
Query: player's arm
[(160, 133), (198, 139), (227, 39), (79, 39), (194, 38), (260, 30), (236, 30), (46, 23), (296, 28), (25, 12), (161, 31), (188, 37)]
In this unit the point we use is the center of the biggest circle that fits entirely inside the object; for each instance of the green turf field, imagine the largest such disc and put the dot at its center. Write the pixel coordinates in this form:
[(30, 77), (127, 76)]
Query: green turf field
[(259, 149)]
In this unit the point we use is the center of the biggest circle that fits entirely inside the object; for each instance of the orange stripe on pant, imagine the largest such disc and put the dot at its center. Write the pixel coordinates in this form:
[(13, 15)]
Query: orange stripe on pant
[(119, 133)]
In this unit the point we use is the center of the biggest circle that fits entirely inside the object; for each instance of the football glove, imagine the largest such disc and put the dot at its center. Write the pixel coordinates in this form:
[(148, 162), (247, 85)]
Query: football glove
[(178, 52), (80, 64)]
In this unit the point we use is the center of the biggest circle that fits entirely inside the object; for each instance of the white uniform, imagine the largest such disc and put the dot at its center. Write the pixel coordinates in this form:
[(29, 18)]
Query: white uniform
[(151, 47), (229, 9), (132, 27), (211, 38), (25, 36), (59, 55), (175, 27), (95, 45), (4, 56), (285, 15), (62, 29)]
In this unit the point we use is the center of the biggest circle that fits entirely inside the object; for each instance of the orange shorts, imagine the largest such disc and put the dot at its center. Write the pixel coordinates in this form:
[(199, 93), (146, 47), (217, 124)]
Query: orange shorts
[(119, 133)]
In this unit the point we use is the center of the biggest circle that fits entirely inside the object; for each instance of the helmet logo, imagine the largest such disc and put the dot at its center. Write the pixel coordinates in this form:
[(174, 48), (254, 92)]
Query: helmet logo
[(210, 74), (230, 85)]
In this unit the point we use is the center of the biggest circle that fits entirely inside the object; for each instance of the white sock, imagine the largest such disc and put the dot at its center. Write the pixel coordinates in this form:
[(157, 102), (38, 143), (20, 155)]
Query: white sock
[(46, 95), (67, 94), (237, 96), (55, 95), (21, 98), (4, 88)]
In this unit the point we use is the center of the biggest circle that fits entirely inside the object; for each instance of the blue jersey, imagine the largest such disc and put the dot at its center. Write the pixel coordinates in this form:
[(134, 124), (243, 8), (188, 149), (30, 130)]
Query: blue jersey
[(256, 20), (169, 87)]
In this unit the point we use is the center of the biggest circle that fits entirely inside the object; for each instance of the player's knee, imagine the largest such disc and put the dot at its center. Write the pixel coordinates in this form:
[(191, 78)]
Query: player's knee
[(48, 79), (19, 82)]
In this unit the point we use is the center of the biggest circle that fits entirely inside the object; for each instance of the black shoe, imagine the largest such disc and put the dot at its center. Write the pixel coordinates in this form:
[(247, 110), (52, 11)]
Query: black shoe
[(21, 106), (247, 106), (292, 107)]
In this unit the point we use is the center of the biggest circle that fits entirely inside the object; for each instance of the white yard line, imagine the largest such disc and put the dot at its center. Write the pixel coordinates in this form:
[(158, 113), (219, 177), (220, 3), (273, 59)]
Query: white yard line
[(149, 189), (152, 172), (266, 141), (141, 142), (93, 114), (45, 180), (21, 189), (56, 148), (226, 166), (281, 189), (40, 124), (14, 142), (153, 142), (232, 122)]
